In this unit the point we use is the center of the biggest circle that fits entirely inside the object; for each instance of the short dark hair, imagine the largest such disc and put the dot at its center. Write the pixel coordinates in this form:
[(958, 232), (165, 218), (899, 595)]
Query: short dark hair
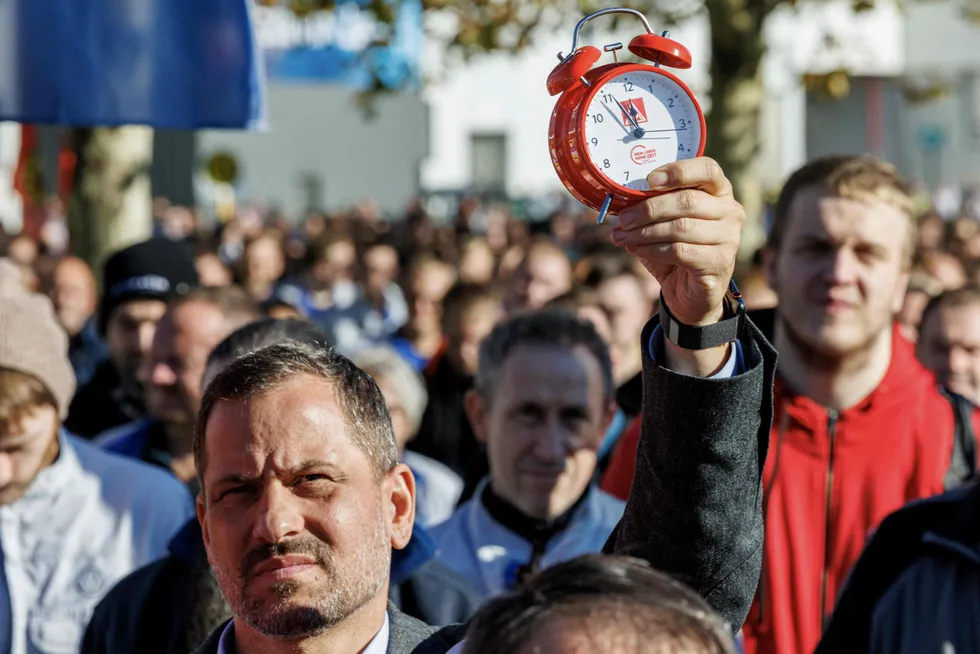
[(605, 594), (551, 327), (959, 297), (261, 371), (258, 334)]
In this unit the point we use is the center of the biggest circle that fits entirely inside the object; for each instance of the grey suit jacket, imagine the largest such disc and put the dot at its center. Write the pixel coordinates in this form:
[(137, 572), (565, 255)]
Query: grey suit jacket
[(695, 510), (406, 635)]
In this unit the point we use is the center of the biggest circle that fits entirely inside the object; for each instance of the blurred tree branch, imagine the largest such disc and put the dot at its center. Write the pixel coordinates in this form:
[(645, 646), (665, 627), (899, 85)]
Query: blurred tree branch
[(737, 50)]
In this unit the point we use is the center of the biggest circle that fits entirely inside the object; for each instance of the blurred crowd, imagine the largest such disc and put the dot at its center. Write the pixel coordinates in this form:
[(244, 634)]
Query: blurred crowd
[(413, 300), (429, 292)]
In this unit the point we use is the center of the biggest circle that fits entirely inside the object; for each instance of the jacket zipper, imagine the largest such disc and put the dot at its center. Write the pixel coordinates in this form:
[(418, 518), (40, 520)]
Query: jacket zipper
[(831, 434)]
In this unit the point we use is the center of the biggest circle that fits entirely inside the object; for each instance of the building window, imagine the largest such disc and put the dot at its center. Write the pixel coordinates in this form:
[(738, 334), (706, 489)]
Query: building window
[(489, 162)]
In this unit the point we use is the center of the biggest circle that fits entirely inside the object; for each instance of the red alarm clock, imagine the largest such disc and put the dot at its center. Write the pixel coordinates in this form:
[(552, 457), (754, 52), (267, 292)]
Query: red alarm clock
[(615, 123)]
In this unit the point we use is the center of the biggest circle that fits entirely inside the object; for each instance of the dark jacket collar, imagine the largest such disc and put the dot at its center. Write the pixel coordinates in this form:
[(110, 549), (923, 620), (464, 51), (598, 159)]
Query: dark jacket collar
[(961, 532), (629, 396), (537, 532), (533, 530), (765, 321), (187, 544)]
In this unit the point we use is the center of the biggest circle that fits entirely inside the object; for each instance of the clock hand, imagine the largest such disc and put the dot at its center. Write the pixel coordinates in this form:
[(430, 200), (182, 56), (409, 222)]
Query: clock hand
[(633, 112), (628, 117), (615, 117), (652, 131), (626, 139), (637, 130)]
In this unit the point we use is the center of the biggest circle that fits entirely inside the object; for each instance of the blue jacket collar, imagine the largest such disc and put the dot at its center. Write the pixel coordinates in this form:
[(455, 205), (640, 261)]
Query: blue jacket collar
[(420, 550)]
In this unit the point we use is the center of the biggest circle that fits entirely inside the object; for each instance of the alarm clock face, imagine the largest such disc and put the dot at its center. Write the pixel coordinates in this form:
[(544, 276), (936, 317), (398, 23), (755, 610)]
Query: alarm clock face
[(637, 122)]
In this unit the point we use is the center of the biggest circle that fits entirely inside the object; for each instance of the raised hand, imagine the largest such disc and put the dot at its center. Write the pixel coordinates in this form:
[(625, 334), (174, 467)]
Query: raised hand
[(688, 237)]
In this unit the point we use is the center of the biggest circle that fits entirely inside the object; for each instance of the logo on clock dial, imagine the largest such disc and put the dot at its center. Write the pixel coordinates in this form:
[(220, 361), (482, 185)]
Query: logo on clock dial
[(641, 155), (633, 107)]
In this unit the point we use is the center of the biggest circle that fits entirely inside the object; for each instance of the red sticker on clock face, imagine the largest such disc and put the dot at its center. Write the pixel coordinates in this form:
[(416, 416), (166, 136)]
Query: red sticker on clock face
[(633, 109), (641, 155)]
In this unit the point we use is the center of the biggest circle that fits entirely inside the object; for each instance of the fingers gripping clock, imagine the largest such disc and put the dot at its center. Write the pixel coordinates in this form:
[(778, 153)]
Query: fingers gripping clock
[(614, 124)]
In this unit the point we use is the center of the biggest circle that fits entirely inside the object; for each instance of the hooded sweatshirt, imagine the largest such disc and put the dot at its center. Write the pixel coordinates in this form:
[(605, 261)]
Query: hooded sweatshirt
[(829, 480)]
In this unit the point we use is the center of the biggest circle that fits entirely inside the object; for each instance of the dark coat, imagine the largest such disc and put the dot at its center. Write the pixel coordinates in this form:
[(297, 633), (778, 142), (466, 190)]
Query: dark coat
[(445, 433), (696, 507), (103, 404), (916, 587)]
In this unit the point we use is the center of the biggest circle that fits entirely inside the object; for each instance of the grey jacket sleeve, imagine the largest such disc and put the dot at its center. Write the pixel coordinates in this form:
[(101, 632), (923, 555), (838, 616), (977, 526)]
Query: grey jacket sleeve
[(695, 509)]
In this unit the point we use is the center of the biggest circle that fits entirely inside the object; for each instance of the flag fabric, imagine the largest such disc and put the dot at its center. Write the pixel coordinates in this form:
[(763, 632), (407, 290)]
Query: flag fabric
[(182, 64), (347, 46)]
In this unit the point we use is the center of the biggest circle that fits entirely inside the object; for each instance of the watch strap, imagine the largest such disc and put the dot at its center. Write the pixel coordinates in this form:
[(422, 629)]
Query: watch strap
[(704, 337)]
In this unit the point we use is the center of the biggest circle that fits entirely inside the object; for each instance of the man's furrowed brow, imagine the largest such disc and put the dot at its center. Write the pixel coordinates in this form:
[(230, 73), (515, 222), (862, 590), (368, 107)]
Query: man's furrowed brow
[(319, 465)]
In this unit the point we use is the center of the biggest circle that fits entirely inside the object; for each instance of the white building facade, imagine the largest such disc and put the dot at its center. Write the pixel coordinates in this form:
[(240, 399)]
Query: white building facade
[(489, 119)]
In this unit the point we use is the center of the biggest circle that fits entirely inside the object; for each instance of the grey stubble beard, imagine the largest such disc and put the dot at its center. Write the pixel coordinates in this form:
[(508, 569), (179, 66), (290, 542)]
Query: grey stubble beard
[(333, 599)]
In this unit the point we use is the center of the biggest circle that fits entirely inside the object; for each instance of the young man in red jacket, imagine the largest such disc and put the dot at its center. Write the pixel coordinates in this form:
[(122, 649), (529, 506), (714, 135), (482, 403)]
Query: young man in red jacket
[(860, 427)]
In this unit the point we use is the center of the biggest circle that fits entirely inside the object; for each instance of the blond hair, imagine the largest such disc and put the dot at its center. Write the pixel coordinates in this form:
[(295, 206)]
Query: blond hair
[(852, 177)]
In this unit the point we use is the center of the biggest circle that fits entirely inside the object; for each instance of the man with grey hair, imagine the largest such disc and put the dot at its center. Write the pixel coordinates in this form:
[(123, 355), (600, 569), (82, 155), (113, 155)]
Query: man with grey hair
[(303, 497), (543, 399), (437, 487)]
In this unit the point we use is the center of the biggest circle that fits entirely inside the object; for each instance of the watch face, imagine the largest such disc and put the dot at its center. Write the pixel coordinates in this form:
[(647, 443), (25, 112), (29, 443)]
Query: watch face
[(637, 122)]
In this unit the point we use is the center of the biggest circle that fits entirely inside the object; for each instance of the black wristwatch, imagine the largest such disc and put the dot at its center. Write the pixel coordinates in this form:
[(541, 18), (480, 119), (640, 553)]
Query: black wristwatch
[(708, 336)]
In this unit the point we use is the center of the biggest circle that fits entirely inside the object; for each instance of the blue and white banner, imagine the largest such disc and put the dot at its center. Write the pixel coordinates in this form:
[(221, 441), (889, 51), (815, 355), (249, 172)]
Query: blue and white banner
[(346, 45), (165, 63)]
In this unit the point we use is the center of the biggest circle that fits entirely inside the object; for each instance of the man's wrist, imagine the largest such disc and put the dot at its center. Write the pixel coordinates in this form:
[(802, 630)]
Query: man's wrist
[(732, 363), (707, 331), (696, 363), (711, 318)]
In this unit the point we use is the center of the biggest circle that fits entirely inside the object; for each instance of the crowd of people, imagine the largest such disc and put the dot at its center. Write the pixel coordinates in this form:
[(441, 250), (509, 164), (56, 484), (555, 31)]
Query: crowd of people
[(450, 423)]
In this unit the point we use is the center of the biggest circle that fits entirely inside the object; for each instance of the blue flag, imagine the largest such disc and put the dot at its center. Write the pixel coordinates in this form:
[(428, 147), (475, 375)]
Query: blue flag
[(180, 64)]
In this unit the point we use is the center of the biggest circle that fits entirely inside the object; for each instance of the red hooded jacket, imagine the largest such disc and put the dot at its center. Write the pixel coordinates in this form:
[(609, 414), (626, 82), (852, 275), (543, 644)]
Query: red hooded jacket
[(829, 479)]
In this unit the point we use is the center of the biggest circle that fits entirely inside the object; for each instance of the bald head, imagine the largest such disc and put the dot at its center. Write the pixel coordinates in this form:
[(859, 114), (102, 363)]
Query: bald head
[(74, 293)]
